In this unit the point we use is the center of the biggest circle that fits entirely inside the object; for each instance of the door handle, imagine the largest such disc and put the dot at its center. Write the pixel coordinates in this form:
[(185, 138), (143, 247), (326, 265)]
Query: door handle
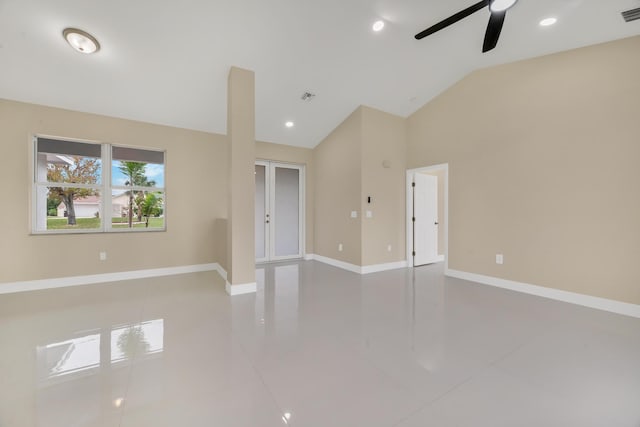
[(435, 223)]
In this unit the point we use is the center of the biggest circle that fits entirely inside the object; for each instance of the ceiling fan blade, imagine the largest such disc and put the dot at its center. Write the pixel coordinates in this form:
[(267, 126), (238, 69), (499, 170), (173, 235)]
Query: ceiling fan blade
[(453, 19), (493, 30)]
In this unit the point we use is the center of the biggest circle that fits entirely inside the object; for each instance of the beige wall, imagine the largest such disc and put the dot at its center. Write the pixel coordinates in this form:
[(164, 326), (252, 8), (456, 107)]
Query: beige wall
[(196, 183), (241, 120), (543, 167), (337, 191), (349, 168), (301, 156), (383, 140)]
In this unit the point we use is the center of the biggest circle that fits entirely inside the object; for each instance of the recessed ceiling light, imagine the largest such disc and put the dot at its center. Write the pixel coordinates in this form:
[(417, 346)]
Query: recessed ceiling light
[(378, 26), (501, 5), (548, 21), (289, 124), (81, 40)]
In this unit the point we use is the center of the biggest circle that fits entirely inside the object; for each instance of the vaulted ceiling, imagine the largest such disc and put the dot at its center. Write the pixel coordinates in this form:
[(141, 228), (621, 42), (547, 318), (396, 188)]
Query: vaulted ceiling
[(166, 62)]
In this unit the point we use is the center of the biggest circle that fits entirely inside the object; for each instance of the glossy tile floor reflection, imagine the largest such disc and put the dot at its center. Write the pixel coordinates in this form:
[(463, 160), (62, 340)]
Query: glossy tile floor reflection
[(316, 346)]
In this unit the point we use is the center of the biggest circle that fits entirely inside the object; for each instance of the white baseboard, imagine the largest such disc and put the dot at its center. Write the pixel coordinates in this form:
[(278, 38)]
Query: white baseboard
[(309, 257), (221, 271), (439, 258), (337, 263), (366, 269), (245, 288), (60, 282), (360, 269), (604, 304)]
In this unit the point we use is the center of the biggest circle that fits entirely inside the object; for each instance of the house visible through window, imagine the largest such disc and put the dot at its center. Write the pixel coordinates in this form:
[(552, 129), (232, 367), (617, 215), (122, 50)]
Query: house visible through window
[(90, 187)]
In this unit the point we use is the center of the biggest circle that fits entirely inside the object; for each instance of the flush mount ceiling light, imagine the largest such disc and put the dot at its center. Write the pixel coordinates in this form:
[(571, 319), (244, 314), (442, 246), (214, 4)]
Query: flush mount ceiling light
[(378, 26), (81, 41), (289, 124), (548, 21), (501, 5)]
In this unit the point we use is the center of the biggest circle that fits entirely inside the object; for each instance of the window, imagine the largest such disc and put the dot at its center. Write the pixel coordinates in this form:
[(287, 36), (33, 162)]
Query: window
[(90, 187)]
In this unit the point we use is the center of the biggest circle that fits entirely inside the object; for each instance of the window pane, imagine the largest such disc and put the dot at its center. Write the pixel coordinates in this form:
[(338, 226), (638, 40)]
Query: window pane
[(287, 205), (137, 209), (65, 161), (137, 155), (57, 146), (135, 167), (68, 209)]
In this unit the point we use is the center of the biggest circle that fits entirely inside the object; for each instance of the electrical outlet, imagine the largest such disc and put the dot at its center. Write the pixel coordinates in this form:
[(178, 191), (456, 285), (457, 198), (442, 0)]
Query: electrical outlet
[(103, 256), (499, 259), (369, 214), (388, 248), (354, 214), (339, 247)]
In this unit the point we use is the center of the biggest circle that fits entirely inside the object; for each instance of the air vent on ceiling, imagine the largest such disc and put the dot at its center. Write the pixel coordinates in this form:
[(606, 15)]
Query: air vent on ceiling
[(631, 15), (307, 96)]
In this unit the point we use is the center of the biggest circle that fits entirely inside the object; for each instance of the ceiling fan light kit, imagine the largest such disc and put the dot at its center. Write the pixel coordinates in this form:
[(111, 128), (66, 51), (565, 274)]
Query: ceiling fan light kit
[(501, 5), (498, 9)]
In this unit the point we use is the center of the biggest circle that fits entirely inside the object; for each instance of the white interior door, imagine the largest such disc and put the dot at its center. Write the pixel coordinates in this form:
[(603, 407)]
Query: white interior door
[(280, 224), (425, 223)]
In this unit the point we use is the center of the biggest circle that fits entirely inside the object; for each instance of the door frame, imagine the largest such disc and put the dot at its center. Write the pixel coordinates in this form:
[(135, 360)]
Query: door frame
[(270, 178), (409, 212)]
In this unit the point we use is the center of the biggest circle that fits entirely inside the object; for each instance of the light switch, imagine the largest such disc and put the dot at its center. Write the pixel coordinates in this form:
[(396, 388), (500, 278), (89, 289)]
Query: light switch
[(369, 214), (354, 214), (499, 259)]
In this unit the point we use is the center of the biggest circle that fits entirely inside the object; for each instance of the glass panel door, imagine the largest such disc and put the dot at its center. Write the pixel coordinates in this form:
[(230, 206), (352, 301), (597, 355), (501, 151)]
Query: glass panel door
[(261, 207), (279, 205), (286, 212)]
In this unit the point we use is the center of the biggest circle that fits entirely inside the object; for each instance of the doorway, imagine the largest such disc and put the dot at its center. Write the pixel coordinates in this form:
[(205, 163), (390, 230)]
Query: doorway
[(279, 216), (427, 215)]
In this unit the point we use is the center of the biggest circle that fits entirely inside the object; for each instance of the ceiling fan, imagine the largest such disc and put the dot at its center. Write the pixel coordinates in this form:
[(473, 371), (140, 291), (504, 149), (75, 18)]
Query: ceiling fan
[(498, 9)]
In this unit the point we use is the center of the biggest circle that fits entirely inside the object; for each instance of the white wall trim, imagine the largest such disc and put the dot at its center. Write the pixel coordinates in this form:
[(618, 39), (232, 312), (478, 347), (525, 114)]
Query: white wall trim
[(221, 271), (309, 257), (366, 269), (604, 304), (375, 268), (60, 282), (245, 288), (337, 263)]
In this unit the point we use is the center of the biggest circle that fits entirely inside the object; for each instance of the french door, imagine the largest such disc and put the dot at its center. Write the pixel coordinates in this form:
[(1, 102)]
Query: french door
[(279, 218)]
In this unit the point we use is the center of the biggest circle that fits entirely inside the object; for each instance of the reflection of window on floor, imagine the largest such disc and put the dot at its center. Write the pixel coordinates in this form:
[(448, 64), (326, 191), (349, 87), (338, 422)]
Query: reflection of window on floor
[(83, 354), (81, 379), (132, 341), (71, 356)]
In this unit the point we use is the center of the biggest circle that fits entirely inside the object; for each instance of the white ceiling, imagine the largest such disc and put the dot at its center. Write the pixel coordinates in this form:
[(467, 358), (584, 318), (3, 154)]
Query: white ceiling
[(167, 61)]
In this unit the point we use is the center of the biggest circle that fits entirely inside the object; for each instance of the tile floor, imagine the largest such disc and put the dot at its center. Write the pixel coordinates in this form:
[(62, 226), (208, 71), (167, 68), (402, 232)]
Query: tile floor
[(315, 346)]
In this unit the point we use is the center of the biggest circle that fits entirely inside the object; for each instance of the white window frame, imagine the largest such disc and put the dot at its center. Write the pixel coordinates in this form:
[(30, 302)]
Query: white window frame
[(105, 189)]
